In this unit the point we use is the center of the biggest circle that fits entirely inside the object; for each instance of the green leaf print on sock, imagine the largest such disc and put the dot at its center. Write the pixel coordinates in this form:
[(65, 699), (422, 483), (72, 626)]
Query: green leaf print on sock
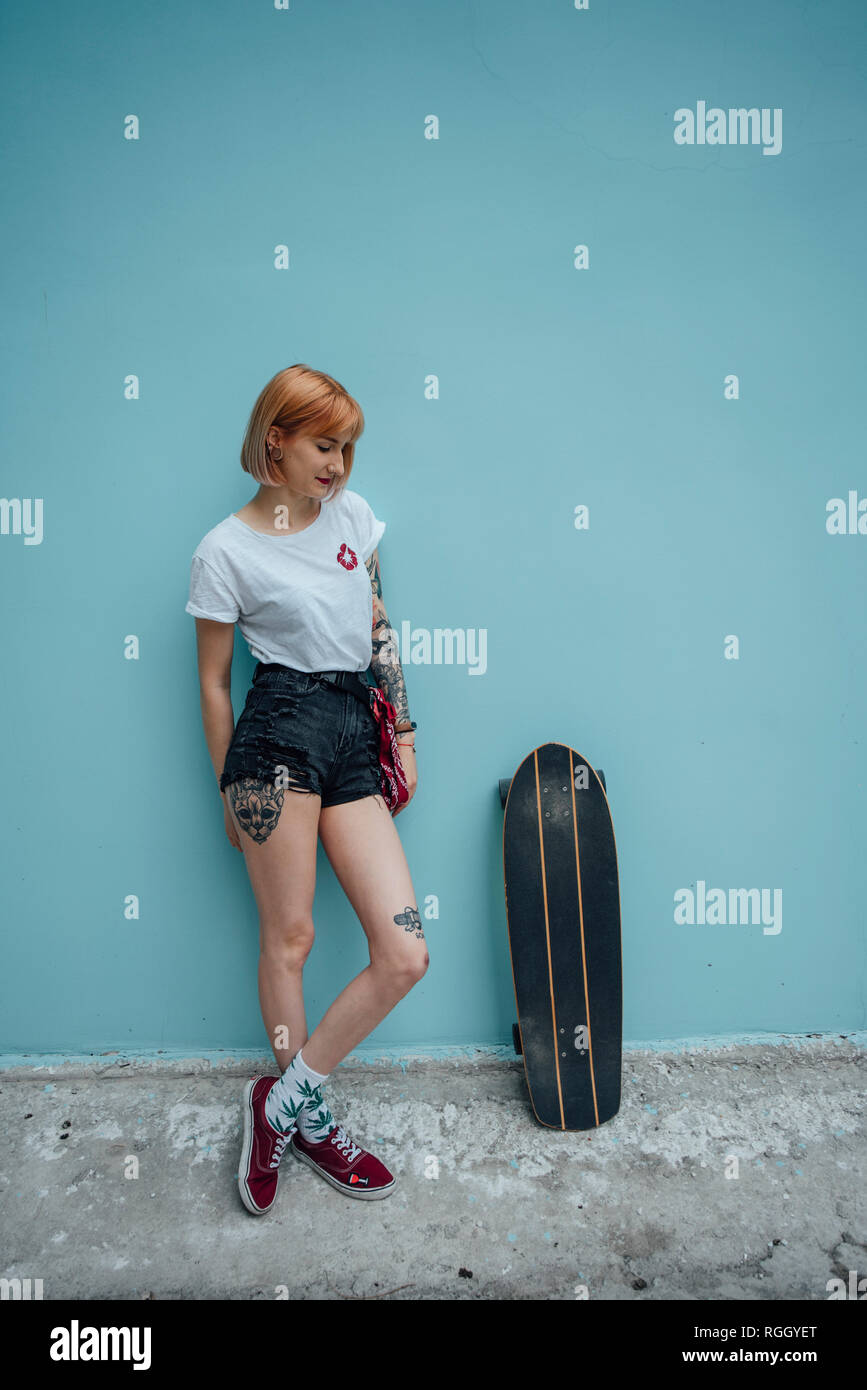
[(292, 1110), (323, 1120)]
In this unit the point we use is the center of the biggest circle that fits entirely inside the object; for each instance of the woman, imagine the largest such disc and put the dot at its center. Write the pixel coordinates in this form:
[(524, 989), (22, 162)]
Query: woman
[(297, 568)]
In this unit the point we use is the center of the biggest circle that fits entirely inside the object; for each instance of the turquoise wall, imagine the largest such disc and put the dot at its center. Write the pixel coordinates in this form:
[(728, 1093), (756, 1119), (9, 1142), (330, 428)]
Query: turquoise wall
[(695, 386)]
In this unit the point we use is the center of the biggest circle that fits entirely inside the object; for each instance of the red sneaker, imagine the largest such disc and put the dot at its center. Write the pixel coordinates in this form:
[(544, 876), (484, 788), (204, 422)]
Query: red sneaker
[(262, 1149), (345, 1165)]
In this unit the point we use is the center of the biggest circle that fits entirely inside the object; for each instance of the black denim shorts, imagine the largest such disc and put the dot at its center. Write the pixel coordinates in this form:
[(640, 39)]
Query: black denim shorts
[(311, 735)]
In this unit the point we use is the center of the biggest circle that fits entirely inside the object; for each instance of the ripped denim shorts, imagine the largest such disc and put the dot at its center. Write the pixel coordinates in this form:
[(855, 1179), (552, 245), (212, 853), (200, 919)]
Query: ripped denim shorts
[(314, 736)]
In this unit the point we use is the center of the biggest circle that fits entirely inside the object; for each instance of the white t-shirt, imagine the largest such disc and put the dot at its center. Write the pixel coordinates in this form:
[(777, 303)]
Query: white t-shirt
[(303, 599)]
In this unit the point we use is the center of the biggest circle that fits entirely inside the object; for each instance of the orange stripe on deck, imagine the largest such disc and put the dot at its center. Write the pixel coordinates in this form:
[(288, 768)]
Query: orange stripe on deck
[(548, 940), (581, 926)]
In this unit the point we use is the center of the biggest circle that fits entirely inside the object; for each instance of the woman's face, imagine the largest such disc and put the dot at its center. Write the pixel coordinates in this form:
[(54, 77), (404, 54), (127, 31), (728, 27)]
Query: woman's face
[(311, 464)]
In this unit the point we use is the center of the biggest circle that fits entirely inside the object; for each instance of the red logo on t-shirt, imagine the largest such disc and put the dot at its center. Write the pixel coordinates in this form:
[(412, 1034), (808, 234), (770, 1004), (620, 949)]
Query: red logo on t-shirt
[(347, 557)]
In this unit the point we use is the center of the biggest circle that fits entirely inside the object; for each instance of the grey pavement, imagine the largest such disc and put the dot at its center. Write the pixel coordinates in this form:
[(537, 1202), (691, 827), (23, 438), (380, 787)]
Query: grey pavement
[(488, 1204)]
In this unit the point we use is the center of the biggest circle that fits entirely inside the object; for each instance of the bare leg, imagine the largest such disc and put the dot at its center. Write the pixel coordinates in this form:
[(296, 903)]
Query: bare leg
[(364, 849), (277, 833)]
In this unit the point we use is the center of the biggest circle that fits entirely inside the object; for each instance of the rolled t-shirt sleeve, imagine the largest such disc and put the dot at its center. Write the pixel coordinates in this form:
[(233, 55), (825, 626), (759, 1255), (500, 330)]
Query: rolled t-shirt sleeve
[(210, 595), (369, 528)]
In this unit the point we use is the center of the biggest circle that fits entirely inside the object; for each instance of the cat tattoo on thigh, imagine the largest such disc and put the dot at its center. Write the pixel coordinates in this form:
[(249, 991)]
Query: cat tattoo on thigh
[(257, 806), (410, 921)]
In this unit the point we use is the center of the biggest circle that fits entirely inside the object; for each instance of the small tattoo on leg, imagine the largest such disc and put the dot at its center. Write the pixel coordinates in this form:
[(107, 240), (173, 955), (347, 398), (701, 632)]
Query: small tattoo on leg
[(410, 921), (257, 806)]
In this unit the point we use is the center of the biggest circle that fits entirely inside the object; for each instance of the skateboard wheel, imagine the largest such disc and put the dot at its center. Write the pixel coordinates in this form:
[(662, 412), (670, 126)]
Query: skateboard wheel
[(505, 783), (516, 1039), (601, 775)]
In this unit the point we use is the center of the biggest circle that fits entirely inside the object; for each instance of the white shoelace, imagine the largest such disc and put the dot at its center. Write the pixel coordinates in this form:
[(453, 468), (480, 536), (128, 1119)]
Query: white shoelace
[(341, 1140), (279, 1146)]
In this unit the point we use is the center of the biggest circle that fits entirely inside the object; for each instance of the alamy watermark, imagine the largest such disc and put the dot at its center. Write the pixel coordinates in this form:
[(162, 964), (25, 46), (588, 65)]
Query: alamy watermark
[(720, 907)]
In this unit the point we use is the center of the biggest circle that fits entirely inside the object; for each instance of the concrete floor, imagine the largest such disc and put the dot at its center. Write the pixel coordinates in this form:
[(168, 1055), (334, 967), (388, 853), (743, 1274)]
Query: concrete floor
[(489, 1205)]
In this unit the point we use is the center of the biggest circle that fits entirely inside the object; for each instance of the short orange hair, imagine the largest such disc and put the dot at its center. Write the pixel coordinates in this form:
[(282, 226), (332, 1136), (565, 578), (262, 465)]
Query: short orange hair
[(300, 401)]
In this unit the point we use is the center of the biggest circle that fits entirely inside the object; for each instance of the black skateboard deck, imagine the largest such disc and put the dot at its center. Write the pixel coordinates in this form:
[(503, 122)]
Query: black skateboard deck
[(563, 916)]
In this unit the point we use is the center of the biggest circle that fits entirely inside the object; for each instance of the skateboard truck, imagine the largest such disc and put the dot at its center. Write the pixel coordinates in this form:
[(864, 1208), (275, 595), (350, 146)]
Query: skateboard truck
[(506, 782)]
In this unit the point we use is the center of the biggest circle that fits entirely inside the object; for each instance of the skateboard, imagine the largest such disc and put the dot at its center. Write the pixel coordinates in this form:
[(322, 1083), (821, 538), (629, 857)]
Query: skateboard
[(563, 918)]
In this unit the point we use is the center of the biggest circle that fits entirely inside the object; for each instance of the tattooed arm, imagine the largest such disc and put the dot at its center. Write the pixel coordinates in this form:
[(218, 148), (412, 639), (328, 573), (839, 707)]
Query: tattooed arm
[(385, 662)]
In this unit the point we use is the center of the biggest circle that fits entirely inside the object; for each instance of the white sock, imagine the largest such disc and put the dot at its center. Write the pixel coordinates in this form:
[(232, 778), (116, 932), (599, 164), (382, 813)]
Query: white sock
[(295, 1102)]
